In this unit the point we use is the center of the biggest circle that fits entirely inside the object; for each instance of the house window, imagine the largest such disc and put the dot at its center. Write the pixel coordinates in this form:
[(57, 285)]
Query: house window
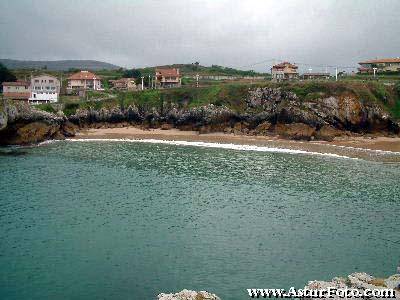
[(51, 80), (36, 80), (34, 95)]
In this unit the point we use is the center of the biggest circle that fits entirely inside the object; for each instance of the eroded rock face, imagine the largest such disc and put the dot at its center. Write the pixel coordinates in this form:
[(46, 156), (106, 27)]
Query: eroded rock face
[(359, 281), (328, 133), (295, 131), (188, 295), (269, 111), (346, 112), (26, 125)]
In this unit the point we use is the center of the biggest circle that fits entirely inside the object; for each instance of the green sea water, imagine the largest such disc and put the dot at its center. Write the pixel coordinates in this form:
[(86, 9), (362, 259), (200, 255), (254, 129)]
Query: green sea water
[(117, 220)]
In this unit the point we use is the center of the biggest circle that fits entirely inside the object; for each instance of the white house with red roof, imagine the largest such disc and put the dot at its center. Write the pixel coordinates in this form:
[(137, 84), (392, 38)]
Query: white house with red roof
[(167, 77), (381, 65), (284, 71), (83, 81)]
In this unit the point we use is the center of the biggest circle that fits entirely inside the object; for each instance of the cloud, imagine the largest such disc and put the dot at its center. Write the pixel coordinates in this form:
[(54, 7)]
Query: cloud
[(225, 32)]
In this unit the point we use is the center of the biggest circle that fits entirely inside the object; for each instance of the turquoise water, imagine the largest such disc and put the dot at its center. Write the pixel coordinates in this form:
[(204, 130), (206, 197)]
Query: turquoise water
[(107, 220)]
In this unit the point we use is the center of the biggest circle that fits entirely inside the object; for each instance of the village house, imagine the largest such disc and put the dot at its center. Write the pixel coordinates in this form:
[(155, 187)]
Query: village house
[(44, 89), (83, 81), (18, 90), (127, 84), (316, 76), (167, 78), (381, 65), (284, 71)]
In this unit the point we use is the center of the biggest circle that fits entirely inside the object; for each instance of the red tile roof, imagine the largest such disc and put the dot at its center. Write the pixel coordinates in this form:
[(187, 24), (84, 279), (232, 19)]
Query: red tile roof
[(14, 95), (382, 60), (16, 83), (167, 72), (83, 75), (285, 64)]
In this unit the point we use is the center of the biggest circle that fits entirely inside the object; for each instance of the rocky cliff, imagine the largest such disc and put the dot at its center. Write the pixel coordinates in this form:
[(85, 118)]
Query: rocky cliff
[(268, 111), (264, 111), (20, 124)]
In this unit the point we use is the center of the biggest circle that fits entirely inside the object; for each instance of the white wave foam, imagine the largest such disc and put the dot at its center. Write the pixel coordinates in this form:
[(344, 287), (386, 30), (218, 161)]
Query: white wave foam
[(216, 145), (48, 142), (362, 149)]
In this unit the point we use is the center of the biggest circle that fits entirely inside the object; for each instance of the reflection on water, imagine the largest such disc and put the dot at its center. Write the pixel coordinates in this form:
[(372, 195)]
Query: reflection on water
[(12, 152)]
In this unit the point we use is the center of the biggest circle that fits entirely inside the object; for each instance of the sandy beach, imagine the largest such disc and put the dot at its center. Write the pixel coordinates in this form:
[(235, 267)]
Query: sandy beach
[(378, 148)]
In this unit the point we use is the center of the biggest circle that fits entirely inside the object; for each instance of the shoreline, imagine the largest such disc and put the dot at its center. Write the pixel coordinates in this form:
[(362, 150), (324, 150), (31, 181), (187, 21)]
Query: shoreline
[(385, 149)]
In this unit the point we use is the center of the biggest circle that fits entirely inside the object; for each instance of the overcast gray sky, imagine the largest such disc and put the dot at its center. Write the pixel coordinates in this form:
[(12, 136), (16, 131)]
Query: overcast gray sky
[(236, 33)]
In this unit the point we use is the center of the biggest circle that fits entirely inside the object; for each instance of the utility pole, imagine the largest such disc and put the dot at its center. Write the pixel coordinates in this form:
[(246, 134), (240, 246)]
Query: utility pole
[(375, 71), (142, 83), (197, 80), (149, 80), (336, 73)]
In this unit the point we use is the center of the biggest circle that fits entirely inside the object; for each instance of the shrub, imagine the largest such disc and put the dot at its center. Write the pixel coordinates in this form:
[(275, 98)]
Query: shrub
[(46, 107), (70, 108)]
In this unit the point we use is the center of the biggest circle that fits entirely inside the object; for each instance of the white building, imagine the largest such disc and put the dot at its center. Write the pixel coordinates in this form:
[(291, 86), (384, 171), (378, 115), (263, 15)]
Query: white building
[(44, 89), (284, 71)]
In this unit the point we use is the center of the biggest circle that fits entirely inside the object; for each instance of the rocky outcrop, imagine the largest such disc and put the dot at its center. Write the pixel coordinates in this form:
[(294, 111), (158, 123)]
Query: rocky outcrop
[(20, 124), (188, 295), (360, 282), (344, 112), (267, 111)]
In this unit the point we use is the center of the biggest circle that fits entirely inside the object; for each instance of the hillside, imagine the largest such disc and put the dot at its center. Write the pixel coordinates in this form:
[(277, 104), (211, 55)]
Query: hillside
[(58, 65), (192, 69), (233, 96)]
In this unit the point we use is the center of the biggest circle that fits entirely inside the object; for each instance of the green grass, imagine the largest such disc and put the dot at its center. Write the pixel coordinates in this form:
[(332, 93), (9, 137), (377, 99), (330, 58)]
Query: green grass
[(233, 95), (394, 105), (46, 107)]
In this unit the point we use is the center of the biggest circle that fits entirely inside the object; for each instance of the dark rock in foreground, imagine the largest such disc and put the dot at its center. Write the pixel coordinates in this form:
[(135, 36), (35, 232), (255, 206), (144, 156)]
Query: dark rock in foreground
[(188, 295), (360, 282)]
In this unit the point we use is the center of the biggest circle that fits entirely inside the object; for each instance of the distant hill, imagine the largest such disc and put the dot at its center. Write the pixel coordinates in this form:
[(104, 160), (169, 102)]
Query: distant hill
[(58, 65), (192, 69)]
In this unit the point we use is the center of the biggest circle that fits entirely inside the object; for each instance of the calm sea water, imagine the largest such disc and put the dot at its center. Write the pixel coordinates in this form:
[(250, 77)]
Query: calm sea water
[(107, 220)]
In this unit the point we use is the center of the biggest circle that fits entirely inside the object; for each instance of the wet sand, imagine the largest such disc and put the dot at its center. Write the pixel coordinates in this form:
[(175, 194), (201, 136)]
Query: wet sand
[(377, 149)]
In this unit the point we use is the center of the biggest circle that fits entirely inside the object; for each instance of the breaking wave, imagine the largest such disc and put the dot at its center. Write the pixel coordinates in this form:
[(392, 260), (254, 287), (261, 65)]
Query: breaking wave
[(215, 145)]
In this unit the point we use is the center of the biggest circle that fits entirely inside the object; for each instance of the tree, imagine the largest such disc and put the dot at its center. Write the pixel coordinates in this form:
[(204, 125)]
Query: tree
[(133, 73), (195, 66), (6, 75)]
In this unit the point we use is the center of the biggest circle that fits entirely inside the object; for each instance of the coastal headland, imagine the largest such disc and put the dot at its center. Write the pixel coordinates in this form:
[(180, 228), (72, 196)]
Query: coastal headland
[(314, 116)]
